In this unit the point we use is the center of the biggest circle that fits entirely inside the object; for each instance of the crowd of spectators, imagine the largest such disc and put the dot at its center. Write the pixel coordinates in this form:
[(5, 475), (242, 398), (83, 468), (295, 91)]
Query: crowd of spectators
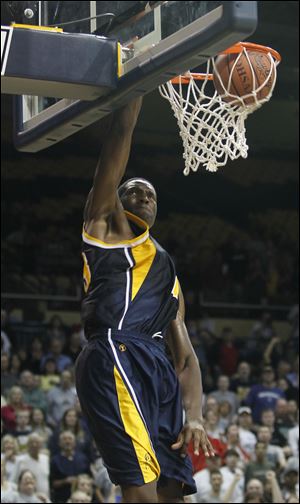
[(47, 453), (250, 406)]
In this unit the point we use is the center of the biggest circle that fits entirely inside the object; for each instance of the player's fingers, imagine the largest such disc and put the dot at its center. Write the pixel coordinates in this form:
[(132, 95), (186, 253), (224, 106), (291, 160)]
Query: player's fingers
[(179, 442), (211, 449), (206, 446), (188, 434), (197, 438)]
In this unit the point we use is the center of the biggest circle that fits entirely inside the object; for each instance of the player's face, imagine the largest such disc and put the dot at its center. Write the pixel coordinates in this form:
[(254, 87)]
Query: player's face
[(140, 199)]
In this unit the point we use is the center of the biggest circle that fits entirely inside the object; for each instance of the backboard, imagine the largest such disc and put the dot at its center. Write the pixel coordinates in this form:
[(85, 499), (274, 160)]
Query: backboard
[(158, 41)]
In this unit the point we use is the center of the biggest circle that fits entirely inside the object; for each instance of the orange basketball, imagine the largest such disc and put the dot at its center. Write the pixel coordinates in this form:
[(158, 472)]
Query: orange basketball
[(242, 76)]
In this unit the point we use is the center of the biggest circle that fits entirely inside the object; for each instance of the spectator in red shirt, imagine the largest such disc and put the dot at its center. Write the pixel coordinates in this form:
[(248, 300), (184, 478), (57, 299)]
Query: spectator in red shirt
[(200, 461), (228, 353), (15, 404)]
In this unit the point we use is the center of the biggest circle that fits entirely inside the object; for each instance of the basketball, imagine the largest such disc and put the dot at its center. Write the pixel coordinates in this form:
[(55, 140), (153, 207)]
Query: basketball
[(242, 75)]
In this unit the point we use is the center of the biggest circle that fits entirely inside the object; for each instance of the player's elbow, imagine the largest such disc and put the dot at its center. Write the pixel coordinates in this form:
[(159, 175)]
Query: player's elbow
[(188, 362)]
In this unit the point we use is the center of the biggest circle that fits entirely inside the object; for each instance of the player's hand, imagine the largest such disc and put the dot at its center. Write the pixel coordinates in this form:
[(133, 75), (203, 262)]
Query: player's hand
[(193, 431)]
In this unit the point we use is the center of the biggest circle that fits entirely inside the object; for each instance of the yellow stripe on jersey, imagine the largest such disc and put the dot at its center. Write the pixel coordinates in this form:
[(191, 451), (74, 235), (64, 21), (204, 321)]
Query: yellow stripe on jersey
[(86, 273), (175, 290), (135, 428), (143, 256)]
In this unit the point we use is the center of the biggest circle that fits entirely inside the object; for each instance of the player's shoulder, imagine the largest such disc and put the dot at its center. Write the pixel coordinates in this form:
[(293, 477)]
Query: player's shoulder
[(159, 247)]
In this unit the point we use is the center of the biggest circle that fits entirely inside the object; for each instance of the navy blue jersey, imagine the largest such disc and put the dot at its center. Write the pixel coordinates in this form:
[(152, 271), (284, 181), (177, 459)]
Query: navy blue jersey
[(131, 285)]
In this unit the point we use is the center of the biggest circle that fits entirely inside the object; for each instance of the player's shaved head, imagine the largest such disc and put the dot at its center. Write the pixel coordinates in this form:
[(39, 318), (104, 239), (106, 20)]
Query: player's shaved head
[(128, 184)]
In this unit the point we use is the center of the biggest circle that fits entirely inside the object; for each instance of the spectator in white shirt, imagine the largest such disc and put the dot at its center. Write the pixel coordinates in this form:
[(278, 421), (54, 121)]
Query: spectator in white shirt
[(293, 440), (233, 443), (26, 491), (202, 478), (9, 453), (61, 398), (101, 479), (223, 393), (216, 492), (6, 486), (229, 472), (247, 437), (36, 462)]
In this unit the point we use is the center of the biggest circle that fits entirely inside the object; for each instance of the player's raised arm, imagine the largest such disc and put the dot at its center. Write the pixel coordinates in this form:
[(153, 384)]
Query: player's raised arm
[(102, 199)]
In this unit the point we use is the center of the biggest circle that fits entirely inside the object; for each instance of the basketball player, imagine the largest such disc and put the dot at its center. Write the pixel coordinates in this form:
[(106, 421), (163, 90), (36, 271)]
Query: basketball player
[(129, 390)]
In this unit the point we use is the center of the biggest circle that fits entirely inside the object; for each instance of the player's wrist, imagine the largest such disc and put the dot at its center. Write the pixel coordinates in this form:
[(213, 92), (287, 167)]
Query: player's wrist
[(194, 418)]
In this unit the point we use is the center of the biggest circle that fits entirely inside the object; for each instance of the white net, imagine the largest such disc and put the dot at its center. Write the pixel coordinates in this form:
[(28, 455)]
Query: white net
[(211, 129)]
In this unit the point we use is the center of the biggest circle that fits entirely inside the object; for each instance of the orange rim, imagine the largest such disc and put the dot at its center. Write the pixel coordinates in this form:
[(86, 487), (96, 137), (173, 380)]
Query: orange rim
[(238, 48), (235, 49), (185, 79)]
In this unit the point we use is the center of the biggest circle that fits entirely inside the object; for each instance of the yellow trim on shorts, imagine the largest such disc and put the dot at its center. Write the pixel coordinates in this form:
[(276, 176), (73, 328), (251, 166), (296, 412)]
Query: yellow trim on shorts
[(136, 430)]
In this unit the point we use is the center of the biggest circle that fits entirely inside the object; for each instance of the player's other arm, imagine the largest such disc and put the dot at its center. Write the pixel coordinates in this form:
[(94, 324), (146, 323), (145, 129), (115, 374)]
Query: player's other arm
[(102, 200), (189, 376)]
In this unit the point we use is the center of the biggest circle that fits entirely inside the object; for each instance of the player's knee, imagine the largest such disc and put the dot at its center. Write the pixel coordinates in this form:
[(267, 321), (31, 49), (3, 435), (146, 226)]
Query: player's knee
[(170, 490)]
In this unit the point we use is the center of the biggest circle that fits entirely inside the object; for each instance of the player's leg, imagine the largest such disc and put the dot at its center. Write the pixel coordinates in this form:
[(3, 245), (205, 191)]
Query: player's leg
[(176, 479), (112, 404), (170, 491), (144, 493)]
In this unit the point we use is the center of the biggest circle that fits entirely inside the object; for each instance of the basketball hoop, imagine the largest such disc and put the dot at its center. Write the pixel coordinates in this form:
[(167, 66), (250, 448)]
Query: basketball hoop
[(211, 122)]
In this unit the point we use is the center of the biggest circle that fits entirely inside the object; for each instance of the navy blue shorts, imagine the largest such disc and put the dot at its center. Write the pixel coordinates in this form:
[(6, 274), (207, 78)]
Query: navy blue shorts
[(129, 393)]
